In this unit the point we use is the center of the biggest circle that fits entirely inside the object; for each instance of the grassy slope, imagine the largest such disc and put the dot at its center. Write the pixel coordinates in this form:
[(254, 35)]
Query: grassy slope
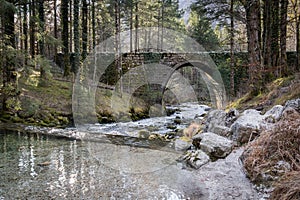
[(49, 102), (275, 93)]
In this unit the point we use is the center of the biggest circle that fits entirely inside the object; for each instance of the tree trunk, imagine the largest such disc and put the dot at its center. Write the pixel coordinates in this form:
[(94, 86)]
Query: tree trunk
[(25, 29), (71, 26), (275, 33), (297, 16), (65, 36), (252, 8), (271, 38), (41, 26), (32, 29), (84, 29), (41, 30), (76, 36), (93, 23), (8, 70), (55, 27), (117, 39), (232, 62), (298, 42), (283, 33), (131, 25), (20, 38), (162, 25), (136, 26), (267, 34)]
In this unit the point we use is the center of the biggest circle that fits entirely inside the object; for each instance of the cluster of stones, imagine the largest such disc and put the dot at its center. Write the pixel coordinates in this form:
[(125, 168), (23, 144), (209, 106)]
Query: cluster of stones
[(223, 131)]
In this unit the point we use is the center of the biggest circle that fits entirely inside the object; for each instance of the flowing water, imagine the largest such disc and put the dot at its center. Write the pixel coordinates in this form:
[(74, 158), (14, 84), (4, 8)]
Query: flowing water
[(41, 166)]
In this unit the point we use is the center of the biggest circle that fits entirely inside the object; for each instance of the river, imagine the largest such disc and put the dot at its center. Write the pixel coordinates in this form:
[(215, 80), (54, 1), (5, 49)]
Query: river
[(41, 166)]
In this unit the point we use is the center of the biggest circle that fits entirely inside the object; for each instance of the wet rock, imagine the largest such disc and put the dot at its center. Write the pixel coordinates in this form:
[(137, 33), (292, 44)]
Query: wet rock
[(215, 145), (275, 113), (182, 144), (170, 135), (206, 109), (200, 116), (171, 126), (177, 120), (295, 104), (247, 126)]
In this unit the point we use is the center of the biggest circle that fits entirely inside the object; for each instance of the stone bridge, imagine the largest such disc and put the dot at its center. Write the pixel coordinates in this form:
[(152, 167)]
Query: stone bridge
[(169, 77)]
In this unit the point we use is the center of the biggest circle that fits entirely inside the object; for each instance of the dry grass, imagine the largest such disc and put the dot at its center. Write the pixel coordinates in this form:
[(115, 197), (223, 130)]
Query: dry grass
[(281, 144), (288, 188)]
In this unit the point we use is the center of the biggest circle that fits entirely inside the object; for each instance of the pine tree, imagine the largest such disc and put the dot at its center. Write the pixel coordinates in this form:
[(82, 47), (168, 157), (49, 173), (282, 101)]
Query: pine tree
[(7, 51), (76, 36), (252, 8), (65, 35), (283, 36), (200, 29), (84, 21), (32, 28)]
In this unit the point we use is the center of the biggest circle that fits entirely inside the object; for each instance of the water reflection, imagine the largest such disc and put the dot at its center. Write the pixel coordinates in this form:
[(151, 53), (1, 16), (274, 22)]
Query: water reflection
[(38, 167)]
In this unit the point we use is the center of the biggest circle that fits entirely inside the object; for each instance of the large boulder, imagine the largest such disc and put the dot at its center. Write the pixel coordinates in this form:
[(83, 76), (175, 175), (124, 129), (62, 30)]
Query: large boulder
[(214, 145), (247, 126)]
